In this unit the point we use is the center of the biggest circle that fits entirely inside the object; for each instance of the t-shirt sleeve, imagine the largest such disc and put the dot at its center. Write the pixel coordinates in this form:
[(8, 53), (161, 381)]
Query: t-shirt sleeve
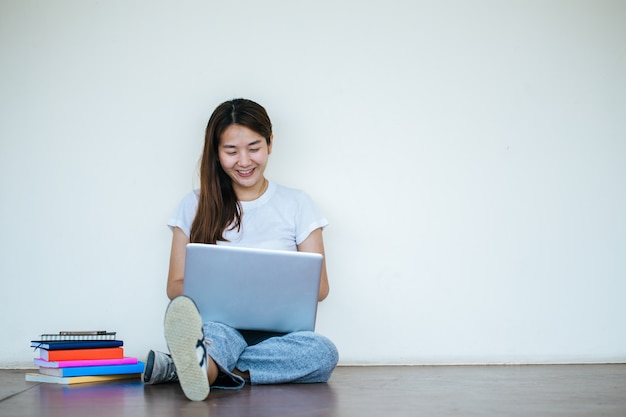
[(184, 214), (309, 218)]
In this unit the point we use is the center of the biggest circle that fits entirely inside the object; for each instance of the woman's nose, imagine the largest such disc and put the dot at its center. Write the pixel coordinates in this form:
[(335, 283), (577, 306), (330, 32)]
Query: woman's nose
[(244, 159)]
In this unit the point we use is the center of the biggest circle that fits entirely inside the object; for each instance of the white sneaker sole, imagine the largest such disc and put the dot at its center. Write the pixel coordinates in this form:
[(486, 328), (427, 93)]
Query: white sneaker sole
[(183, 329)]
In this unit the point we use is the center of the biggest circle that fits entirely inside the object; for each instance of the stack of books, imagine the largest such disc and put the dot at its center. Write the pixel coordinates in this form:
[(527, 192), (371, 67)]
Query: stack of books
[(85, 356)]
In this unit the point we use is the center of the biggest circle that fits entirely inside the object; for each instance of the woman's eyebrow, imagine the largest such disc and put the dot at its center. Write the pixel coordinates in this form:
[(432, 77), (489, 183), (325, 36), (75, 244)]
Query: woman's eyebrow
[(231, 146)]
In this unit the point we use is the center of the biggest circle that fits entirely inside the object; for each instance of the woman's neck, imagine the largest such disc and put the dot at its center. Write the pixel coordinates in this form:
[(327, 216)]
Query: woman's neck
[(252, 193)]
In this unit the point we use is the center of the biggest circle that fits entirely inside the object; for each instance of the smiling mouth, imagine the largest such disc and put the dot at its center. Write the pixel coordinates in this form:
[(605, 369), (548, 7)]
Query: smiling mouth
[(246, 173)]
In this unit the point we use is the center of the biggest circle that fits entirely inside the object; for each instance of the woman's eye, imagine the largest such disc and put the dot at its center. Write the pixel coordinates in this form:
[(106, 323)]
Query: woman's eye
[(254, 150)]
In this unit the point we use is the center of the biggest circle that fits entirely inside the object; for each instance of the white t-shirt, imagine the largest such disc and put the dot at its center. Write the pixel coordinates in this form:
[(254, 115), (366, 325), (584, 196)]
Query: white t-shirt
[(280, 219)]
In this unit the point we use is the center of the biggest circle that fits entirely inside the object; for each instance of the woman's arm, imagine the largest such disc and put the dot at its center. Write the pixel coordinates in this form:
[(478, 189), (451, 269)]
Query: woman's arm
[(315, 243), (176, 273)]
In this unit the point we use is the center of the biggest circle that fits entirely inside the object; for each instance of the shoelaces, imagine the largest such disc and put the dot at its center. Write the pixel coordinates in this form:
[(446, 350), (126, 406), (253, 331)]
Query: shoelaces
[(203, 343)]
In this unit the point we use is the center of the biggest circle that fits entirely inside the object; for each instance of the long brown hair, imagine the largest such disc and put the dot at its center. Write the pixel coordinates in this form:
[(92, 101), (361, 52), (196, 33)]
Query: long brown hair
[(218, 206)]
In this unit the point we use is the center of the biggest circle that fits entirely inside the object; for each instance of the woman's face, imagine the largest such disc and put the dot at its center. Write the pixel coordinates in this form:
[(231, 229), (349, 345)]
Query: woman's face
[(243, 155)]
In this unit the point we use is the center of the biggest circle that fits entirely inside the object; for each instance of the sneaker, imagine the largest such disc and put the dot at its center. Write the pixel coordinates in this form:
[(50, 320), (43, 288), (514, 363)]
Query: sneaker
[(159, 369), (185, 340)]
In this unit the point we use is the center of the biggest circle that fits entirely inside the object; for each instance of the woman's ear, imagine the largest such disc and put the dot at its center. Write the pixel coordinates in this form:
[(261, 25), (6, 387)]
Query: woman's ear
[(269, 145)]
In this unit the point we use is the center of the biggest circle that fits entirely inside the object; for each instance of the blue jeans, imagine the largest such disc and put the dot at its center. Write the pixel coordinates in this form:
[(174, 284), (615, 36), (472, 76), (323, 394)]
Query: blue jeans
[(299, 357)]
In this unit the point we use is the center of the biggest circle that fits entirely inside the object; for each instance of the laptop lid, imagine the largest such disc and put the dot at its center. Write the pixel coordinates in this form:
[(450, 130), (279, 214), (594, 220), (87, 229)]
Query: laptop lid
[(253, 289)]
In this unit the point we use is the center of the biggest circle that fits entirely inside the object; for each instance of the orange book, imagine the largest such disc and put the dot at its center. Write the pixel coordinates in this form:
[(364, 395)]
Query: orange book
[(82, 354)]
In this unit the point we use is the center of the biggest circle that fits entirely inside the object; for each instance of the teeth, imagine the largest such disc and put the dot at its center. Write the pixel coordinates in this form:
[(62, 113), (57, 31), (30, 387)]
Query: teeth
[(245, 172)]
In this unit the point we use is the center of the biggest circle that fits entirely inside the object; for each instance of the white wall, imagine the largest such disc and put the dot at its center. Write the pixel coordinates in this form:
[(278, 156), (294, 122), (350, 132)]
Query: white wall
[(470, 156)]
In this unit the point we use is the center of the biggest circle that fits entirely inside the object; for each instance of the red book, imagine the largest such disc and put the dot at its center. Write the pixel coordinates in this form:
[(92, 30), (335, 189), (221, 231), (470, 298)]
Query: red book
[(81, 354)]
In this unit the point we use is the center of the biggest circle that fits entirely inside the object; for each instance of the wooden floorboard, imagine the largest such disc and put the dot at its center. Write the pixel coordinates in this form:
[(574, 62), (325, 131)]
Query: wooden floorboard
[(550, 390)]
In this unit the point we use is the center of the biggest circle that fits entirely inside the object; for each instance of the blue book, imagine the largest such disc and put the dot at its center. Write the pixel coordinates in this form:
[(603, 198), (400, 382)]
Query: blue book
[(79, 344), (134, 368)]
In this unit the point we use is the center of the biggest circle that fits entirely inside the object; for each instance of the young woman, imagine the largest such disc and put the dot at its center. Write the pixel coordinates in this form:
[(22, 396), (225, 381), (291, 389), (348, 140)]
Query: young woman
[(237, 205)]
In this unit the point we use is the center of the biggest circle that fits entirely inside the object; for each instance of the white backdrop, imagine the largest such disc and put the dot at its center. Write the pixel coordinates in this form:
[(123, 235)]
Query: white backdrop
[(470, 156)]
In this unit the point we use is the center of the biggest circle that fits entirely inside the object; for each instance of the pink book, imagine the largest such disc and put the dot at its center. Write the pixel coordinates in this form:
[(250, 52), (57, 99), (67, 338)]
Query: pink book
[(92, 362)]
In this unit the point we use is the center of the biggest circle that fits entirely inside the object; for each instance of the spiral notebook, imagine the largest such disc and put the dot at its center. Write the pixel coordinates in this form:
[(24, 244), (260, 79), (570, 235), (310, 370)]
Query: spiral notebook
[(253, 289), (74, 335)]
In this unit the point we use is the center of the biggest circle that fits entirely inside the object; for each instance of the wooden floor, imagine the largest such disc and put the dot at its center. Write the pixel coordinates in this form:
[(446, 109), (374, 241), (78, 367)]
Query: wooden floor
[(553, 390)]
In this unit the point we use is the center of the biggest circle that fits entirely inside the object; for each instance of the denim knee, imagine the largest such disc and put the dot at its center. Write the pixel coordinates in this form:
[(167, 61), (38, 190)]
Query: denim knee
[(323, 353)]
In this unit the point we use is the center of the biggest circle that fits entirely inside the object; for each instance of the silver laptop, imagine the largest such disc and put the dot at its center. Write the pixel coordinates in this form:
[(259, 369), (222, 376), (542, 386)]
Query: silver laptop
[(253, 289)]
